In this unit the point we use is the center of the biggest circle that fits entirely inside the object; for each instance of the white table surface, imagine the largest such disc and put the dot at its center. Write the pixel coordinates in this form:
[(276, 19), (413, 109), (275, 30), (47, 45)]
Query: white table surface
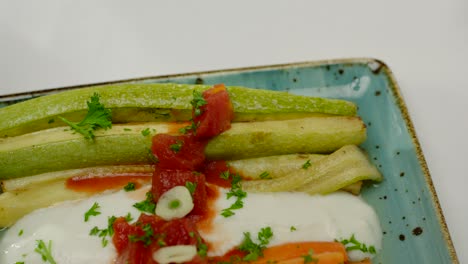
[(47, 44)]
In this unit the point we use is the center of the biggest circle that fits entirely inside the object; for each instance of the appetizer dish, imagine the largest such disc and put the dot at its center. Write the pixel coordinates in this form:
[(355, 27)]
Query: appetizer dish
[(177, 173)]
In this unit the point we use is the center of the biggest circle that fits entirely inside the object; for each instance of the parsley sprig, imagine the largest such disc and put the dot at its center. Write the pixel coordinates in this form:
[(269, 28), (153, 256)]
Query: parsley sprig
[(235, 191), (130, 187), (45, 251), (103, 233), (97, 117), (147, 205), (146, 238), (197, 102), (177, 146), (255, 250), (309, 258), (353, 244), (191, 186), (265, 175), (306, 165), (93, 211)]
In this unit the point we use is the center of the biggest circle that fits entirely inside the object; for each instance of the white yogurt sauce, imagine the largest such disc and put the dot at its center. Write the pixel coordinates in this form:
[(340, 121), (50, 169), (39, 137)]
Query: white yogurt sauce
[(316, 218)]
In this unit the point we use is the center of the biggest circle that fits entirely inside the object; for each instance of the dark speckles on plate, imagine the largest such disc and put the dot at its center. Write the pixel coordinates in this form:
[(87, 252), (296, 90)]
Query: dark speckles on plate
[(417, 231)]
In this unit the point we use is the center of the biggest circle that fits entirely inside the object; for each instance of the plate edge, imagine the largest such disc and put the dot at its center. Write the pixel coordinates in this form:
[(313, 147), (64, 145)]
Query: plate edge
[(420, 155)]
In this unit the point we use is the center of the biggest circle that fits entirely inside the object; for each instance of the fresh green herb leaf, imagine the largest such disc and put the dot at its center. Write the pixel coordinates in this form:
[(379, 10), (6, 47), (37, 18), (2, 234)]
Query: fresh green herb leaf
[(19, 262), (94, 231), (177, 146), (103, 233), (93, 211), (293, 228), (309, 257), (129, 187), (353, 244), (110, 225), (145, 132), (97, 117), (128, 217), (265, 235), (265, 176), (202, 247), (255, 250), (151, 156), (191, 186), (235, 191), (45, 251), (20, 233), (197, 102), (147, 205), (225, 175), (146, 238), (306, 165)]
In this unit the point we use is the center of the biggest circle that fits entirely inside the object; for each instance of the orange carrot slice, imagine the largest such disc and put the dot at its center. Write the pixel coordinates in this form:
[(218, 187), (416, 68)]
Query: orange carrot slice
[(296, 251), (323, 258)]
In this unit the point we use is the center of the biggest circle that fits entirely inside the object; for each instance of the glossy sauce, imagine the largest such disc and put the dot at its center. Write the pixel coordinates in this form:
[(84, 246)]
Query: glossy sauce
[(103, 183)]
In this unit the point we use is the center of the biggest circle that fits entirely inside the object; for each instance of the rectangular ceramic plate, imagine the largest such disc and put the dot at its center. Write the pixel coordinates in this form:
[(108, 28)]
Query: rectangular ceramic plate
[(414, 230)]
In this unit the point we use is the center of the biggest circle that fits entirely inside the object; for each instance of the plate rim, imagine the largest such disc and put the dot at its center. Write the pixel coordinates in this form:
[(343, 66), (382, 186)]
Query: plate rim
[(374, 64)]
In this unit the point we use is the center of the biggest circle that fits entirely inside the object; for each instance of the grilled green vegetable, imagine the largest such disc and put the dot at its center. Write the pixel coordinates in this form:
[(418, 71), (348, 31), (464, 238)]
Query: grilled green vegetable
[(60, 149), (344, 167), (159, 102)]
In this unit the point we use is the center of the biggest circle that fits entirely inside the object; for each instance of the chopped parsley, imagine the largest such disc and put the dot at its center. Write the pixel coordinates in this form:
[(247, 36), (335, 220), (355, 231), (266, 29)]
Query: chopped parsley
[(145, 132), (146, 238), (177, 146), (353, 244), (93, 211), (19, 262), (225, 175), (147, 205), (20, 233), (202, 247), (197, 102), (265, 176), (293, 228), (192, 127), (128, 217), (45, 251), (103, 233), (129, 187), (255, 250), (235, 191), (191, 186), (151, 156), (306, 165), (309, 257), (97, 117)]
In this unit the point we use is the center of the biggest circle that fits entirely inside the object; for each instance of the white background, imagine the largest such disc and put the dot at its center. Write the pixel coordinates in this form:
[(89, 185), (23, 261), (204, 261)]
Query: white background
[(46, 44)]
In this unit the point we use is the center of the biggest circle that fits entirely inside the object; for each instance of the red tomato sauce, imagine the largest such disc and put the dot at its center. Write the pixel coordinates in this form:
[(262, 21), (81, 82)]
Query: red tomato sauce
[(103, 183), (181, 162)]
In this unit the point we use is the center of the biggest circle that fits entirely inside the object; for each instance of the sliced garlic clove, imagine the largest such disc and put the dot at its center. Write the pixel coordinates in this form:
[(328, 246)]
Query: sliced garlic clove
[(175, 254), (175, 203)]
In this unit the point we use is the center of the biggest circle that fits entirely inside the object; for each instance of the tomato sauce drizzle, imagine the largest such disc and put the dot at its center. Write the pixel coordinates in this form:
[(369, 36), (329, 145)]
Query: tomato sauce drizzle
[(104, 182), (181, 162)]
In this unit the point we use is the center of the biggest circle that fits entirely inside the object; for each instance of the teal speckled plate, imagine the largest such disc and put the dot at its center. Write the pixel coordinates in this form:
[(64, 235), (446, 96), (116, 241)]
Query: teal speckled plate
[(414, 230)]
